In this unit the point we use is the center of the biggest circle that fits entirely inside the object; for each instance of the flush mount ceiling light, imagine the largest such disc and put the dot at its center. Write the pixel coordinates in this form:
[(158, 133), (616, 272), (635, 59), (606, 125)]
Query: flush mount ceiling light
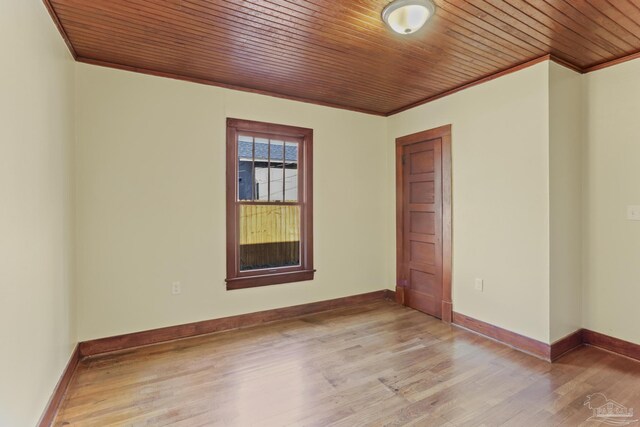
[(408, 16)]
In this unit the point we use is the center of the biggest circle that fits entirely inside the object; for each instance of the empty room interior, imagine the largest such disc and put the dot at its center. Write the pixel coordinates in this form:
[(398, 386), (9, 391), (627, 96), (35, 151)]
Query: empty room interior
[(320, 213)]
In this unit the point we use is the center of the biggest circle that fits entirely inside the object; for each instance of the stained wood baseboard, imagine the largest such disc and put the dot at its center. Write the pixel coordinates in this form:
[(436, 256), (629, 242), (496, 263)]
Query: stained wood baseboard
[(154, 336), (519, 342), (390, 295), (565, 344), (594, 339), (549, 352), (614, 345), (61, 388)]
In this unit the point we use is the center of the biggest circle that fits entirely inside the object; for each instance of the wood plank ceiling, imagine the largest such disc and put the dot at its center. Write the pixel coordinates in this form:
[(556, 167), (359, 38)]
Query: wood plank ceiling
[(339, 52)]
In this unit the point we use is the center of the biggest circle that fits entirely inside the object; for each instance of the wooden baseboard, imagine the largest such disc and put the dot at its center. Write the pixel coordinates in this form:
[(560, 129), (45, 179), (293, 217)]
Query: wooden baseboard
[(400, 295), (614, 345), (154, 336), (549, 352), (390, 295), (564, 345), (595, 339), (519, 342), (59, 391)]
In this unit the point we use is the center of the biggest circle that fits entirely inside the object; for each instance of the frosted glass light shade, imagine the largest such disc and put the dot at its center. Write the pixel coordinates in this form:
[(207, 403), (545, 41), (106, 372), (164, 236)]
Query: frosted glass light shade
[(408, 16)]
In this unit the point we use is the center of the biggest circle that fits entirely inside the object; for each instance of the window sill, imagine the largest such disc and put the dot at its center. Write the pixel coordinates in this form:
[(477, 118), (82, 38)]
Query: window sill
[(269, 279)]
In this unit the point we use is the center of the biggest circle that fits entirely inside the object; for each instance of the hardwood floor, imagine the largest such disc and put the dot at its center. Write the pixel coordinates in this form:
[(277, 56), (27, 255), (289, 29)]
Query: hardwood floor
[(376, 364)]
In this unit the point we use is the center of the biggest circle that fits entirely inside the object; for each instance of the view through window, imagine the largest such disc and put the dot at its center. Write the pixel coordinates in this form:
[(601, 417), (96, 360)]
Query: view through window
[(268, 172)]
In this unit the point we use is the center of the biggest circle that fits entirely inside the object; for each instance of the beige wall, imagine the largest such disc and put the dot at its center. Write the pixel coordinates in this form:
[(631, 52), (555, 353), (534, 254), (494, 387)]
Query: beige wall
[(545, 163), (566, 160), (500, 155), (612, 253), (151, 201), (36, 212)]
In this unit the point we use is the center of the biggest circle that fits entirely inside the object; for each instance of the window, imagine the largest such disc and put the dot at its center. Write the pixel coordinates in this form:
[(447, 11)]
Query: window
[(269, 204)]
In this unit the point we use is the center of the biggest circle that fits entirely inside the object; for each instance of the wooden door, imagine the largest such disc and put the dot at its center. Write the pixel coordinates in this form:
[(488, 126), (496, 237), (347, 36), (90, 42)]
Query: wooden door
[(423, 274)]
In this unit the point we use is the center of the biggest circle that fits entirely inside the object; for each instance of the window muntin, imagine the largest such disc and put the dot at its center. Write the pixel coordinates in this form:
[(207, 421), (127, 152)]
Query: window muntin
[(267, 169)]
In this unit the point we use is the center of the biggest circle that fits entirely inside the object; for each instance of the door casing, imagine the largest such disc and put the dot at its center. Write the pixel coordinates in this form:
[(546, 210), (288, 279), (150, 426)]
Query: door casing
[(444, 133)]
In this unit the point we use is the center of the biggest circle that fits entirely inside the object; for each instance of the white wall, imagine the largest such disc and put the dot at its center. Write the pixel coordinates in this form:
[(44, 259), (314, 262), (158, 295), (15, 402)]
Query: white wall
[(566, 160), (612, 253), (500, 155), (151, 201), (37, 324)]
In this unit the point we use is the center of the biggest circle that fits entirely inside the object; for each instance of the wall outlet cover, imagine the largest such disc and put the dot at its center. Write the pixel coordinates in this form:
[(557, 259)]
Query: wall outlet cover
[(633, 213), (176, 288)]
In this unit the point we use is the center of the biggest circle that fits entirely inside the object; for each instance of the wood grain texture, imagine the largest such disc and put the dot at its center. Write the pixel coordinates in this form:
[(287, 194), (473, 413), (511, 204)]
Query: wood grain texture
[(137, 339), (371, 365), (447, 229), (615, 345), (512, 339), (60, 390), (435, 297), (339, 52)]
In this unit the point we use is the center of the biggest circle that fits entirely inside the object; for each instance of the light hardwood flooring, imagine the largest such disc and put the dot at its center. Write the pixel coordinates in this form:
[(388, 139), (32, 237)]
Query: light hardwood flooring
[(378, 364)]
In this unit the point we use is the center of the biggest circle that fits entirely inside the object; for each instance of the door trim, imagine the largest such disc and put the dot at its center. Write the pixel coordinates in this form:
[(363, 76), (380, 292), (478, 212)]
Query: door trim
[(444, 133)]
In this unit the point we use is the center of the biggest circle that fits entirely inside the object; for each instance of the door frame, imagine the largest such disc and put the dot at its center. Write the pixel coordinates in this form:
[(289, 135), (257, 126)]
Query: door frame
[(444, 133)]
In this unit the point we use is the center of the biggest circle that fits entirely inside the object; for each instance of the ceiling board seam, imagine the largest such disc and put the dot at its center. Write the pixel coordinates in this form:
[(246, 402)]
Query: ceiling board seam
[(611, 47), (605, 28), (497, 39), (575, 35), (542, 46), (616, 22), (536, 35), (594, 38), (540, 27)]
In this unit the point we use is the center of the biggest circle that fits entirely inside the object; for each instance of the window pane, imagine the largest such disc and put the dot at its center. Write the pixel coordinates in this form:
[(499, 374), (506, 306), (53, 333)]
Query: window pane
[(269, 236), (291, 172), (276, 174), (245, 168), (261, 190)]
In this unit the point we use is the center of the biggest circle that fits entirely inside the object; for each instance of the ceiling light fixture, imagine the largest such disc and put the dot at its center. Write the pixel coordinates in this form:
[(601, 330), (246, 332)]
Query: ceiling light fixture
[(408, 16)]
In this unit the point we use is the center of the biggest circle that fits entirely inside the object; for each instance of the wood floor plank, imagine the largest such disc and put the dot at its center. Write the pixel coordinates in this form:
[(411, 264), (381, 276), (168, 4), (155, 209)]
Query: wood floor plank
[(378, 364)]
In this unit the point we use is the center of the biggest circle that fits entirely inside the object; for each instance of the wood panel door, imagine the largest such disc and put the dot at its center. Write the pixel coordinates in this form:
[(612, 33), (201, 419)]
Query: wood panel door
[(424, 210)]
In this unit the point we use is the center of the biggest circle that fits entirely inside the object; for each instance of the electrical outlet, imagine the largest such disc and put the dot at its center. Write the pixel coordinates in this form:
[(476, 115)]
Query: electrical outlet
[(633, 213), (176, 288), (479, 285)]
